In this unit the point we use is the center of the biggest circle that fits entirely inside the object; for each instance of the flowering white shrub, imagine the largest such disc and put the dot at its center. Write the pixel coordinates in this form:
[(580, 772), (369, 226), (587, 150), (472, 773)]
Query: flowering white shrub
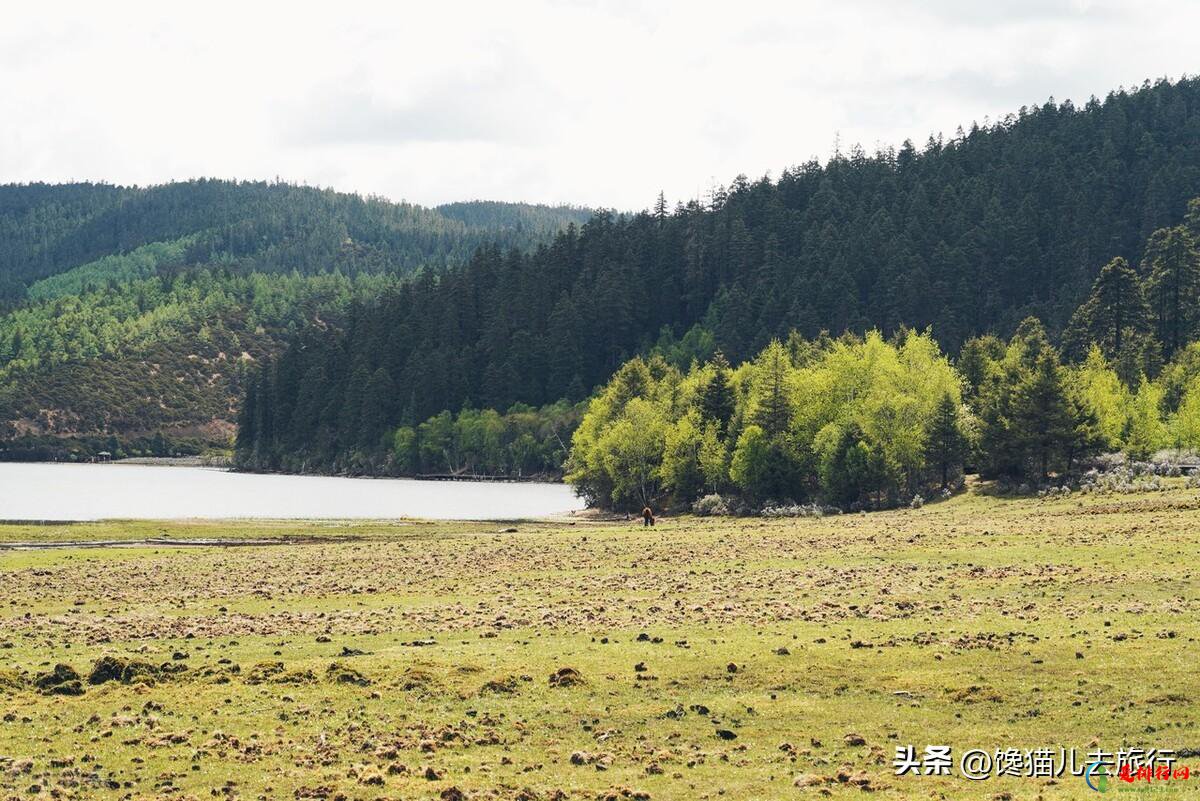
[(797, 510), (712, 505)]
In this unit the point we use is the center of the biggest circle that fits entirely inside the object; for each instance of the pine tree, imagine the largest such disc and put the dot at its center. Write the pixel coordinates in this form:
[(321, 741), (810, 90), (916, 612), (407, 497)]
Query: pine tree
[(1032, 341), (945, 443), (352, 405), (18, 344), (773, 409), (660, 208), (1115, 307), (247, 419), (1192, 219), (853, 471), (378, 399), (564, 357), (716, 398), (261, 444), (976, 360), (1138, 357), (1042, 417), (1172, 269)]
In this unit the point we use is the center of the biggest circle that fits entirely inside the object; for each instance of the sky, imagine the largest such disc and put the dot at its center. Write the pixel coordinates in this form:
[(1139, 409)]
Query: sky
[(601, 104)]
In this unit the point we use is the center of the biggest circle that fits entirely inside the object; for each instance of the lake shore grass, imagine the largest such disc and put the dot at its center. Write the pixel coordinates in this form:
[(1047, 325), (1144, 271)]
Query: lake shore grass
[(708, 658)]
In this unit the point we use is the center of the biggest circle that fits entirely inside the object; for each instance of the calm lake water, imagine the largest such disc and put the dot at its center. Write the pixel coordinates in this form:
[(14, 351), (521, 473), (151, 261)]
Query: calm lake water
[(43, 491)]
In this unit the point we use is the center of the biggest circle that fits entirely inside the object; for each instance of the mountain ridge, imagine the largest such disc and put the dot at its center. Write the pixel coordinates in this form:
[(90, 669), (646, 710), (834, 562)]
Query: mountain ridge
[(105, 287)]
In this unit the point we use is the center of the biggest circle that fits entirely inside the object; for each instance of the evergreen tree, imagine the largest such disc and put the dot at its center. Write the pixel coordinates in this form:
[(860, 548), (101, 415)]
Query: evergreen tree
[(350, 416), (716, 398), (1192, 219), (247, 431), (378, 399), (1042, 416), (772, 409), (660, 208), (977, 356), (261, 446), (945, 445), (853, 471), (1138, 357), (1116, 307), (1032, 421), (566, 362), (1172, 269)]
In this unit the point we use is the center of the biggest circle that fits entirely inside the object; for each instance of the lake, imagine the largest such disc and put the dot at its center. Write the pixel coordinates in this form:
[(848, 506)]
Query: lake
[(50, 491)]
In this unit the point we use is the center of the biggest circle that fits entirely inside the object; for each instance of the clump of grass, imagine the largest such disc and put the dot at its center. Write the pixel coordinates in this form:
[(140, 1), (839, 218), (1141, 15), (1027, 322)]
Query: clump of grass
[(125, 671)]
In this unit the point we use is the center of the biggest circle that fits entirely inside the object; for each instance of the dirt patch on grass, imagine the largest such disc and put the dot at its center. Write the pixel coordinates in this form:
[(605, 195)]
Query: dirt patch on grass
[(156, 542)]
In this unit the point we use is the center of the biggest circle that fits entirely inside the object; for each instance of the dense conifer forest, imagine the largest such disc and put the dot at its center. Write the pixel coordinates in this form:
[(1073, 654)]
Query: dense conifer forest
[(130, 316), (967, 235)]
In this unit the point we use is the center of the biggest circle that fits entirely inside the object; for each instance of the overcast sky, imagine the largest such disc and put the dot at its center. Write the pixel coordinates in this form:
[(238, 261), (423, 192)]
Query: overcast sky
[(596, 103)]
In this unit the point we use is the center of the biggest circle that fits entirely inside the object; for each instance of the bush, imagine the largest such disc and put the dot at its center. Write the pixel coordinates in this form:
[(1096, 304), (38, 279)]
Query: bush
[(797, 510), (712, 505), (1133, 477)]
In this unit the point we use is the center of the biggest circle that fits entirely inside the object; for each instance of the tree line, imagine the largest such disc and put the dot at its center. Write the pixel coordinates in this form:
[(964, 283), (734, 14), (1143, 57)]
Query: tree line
[(250, 226), (857, 421), (867, 422), (864, 421), (969, 235)]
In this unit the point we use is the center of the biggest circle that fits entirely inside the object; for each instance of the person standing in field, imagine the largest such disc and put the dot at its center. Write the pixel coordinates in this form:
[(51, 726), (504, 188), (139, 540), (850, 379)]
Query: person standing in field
[(647, 517)]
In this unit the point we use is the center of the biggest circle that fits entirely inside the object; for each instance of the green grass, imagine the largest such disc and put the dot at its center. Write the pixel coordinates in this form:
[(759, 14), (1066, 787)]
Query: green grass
[(978, 622)]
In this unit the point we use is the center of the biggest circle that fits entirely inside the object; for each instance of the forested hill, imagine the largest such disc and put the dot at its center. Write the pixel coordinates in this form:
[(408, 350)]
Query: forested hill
[(46, 229), (969, 234), (131, 314)]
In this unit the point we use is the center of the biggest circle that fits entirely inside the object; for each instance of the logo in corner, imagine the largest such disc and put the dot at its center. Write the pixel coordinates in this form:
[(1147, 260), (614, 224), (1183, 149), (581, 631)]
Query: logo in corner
[(1096, 777)]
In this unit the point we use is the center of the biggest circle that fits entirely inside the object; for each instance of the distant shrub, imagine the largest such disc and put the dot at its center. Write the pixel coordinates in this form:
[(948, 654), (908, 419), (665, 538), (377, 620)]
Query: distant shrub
[(1135, 477), (712, 505), (797, 510)]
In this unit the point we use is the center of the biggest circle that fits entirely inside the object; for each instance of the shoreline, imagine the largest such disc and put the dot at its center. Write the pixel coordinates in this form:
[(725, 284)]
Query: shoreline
[(172, 461), (428, 477), (225, 464)]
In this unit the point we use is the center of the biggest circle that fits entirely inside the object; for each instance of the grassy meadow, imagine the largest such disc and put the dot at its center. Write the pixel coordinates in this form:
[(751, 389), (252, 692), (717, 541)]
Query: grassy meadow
[(700, 659)]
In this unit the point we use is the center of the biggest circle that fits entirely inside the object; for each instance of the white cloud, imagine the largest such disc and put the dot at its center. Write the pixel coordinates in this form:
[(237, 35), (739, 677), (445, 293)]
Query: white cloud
[(586, 102)]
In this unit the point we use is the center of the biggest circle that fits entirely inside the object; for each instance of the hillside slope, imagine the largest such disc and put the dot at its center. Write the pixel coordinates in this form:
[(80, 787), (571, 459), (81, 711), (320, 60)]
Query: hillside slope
[(132, 314), (968, 235)]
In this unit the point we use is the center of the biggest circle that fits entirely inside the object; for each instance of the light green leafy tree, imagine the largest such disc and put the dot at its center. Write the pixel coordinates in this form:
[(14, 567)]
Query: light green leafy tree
[(1145, 432), (1105, 394), (714, 458), (1185, 425), (631, 451), (681, 471)]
